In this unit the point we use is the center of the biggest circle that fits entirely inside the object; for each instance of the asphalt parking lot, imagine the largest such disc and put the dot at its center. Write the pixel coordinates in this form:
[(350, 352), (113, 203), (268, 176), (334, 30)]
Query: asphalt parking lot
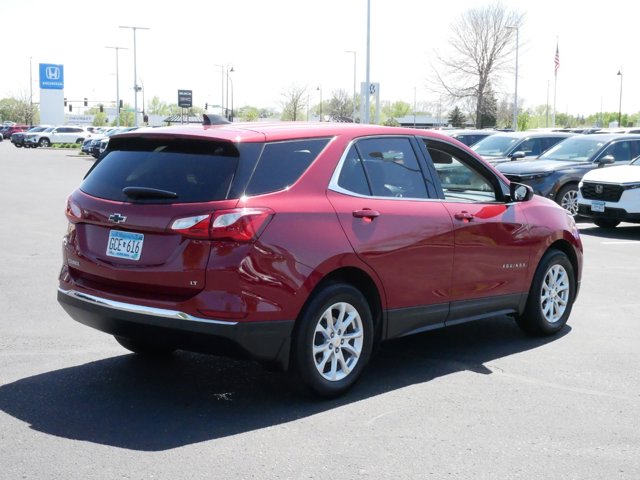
[(477, 401)]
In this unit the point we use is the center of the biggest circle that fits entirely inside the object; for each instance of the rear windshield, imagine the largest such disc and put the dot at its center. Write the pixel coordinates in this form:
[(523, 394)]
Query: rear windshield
[(193, 171), (153, 170)]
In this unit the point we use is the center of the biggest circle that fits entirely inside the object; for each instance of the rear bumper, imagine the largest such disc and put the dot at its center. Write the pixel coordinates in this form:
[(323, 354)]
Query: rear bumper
[(263, 341)]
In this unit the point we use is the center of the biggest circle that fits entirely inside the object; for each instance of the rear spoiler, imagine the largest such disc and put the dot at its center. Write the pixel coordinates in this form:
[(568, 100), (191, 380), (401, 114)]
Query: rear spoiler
[(211, 119)]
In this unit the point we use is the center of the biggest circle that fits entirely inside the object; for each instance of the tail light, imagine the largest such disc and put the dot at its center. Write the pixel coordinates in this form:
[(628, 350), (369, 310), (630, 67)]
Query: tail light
[(73, 211), (238, 224)]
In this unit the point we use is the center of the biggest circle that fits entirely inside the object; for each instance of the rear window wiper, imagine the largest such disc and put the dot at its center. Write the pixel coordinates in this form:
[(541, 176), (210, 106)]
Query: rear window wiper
[(147, 192)]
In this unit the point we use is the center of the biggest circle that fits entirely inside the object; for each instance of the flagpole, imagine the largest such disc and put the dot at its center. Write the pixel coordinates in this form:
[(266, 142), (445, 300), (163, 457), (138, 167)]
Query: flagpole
[(555, 83)]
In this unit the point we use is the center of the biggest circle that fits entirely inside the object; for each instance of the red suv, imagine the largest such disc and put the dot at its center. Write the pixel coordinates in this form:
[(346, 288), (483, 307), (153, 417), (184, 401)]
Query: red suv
[(303, 245)]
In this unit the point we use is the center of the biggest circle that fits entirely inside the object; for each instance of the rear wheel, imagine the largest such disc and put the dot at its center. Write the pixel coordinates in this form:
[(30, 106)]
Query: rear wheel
[(551, 296), (333, 340), (567, 198), (44, 142), (606, 223), (144, 348)]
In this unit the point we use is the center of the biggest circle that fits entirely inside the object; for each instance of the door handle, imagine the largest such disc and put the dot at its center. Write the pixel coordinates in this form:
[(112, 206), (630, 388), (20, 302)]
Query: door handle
[(464, 216), (366, 213)]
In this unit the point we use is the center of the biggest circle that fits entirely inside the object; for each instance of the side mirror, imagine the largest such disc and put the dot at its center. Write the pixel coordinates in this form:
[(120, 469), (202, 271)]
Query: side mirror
[(606, 160), (520, 192), (517, 155)]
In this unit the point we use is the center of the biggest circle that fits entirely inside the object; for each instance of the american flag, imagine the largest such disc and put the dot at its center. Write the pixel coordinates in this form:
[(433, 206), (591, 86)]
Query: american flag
[(556, 60)]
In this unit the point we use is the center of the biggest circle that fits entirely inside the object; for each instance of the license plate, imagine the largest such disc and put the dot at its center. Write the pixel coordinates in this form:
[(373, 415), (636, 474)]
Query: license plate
[(597, 206), (125, 244)]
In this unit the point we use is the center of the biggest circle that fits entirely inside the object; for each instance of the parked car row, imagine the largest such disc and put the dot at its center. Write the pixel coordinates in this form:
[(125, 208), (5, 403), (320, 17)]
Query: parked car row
[(97, 143)]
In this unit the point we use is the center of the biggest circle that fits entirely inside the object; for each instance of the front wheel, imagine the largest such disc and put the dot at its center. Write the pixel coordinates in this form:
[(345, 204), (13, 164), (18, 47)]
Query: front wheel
[(551, 296), (333, 340), (44, 142), (567, 198), (606, 223)]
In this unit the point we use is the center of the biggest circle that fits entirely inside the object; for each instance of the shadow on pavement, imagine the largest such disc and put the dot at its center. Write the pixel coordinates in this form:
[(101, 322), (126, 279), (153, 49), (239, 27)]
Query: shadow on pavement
[(622, 232), (150, 405)]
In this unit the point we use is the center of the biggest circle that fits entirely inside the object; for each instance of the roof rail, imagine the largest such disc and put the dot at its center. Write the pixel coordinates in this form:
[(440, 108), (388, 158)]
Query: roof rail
[(212, 119)]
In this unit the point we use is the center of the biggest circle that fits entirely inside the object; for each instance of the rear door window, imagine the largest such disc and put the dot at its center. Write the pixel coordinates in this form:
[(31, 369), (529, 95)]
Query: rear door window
[(283, 163)]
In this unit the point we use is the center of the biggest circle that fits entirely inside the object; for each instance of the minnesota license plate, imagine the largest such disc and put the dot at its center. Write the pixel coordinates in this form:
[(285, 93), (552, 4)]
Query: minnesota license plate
[(597, 206), (125, 244)]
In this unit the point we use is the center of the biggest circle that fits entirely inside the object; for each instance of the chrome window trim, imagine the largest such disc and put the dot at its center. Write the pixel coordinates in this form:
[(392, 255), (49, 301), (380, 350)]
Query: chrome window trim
[(139, 309), (333, 183)]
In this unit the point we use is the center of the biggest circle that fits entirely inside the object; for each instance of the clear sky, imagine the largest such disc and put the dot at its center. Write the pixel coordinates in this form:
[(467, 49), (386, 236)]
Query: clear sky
[(275, 44)]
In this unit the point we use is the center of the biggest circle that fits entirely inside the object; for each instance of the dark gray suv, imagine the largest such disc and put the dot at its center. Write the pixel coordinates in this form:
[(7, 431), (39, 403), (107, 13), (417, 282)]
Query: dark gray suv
[(557, 172)]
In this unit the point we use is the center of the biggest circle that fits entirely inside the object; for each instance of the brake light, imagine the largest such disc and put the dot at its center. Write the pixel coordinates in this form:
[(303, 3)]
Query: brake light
[(239, 224)]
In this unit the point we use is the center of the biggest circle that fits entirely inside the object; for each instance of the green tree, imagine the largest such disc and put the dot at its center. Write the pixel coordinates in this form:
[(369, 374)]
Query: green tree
[(248, 113), (489, 110), (158, 107), (340, 105), (18, 109), (456, 118)]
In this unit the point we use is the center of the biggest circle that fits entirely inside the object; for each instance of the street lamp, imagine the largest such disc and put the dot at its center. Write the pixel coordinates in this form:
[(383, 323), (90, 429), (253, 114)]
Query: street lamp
[(117, 83), (227, 102), (620, 107), (354, 83), (135, 73), (515, 96), (320, 90)]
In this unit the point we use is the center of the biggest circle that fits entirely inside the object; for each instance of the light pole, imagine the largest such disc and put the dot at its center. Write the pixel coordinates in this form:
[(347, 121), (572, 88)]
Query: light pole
[(117, 83), (515, 95), (227, 102), (368, 79), (30, 94), (320, 90), (354, 83), (620, 106), (221, 67), (135, 74)]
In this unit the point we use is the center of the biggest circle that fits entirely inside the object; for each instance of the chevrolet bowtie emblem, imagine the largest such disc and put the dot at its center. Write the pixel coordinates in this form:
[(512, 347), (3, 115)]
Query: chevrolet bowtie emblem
[(117, 218)]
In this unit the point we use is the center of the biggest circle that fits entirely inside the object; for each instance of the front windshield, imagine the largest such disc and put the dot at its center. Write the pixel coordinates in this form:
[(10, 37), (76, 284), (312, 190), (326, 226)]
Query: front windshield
[(575, 149), (494, 146)]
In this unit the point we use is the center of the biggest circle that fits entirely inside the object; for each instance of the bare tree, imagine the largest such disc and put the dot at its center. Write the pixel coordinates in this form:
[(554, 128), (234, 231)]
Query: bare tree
[(482, 42), (340, 104), (293, 103)]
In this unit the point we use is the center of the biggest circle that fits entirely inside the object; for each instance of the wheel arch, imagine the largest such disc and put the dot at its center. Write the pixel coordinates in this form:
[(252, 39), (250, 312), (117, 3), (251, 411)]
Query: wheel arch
[(361, 280), (565, 247)]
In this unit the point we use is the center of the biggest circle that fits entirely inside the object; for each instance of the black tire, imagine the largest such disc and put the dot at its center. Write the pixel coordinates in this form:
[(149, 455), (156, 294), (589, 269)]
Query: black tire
[(44, 142), (551, 296), (144, 348), (606, 223), (567, 198), (18, 145), (340, 353)]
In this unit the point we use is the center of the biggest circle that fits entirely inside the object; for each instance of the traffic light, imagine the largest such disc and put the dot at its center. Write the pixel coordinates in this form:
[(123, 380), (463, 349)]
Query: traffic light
[(101, 108), (86, 102), (65, 102), (121, 104), (206, 106), (70, 108)]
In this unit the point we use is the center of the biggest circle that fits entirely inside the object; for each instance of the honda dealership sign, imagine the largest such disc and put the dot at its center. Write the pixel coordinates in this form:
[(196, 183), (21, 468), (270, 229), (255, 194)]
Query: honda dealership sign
[(51, 76), (51, 94)]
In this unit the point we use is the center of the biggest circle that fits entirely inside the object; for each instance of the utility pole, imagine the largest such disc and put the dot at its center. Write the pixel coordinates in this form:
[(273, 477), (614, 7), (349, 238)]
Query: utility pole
[(135, 73)]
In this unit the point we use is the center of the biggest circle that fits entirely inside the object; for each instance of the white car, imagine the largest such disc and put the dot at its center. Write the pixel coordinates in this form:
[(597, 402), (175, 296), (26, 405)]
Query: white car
[(611, 195), (61, 134)]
